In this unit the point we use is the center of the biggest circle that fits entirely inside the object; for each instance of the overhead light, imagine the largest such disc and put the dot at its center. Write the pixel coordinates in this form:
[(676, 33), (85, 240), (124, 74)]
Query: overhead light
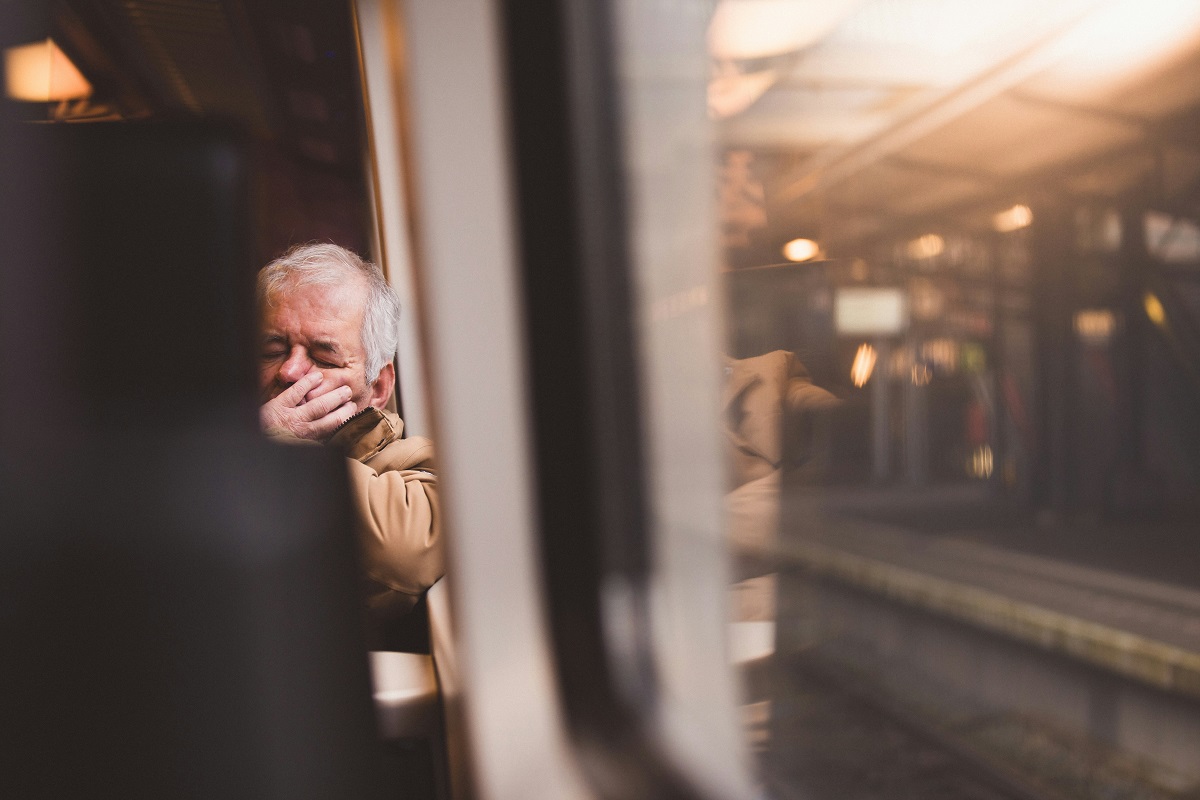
[(801, 250), (927, 246), (750, 29), (1125, 34), (41, 73), (1015, 218), (1154, 309)]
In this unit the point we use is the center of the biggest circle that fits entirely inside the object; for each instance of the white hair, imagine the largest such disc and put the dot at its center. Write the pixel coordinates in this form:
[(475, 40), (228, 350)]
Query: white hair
[(324, 264)]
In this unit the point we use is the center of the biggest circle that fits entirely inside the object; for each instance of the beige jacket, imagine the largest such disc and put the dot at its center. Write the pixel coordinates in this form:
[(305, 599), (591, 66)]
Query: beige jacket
[(764, 400), (761, 395), (393, 486)]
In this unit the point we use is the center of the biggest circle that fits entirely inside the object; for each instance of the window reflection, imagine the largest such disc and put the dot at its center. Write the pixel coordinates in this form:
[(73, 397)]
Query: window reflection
[(971, 231)]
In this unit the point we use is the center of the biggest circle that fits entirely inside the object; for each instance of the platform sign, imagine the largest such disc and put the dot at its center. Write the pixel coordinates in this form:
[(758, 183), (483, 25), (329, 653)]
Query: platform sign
[(870, 311)]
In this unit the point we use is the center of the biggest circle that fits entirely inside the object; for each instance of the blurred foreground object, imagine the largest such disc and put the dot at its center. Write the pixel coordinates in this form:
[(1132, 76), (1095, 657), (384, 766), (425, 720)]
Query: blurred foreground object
[(179, 615)]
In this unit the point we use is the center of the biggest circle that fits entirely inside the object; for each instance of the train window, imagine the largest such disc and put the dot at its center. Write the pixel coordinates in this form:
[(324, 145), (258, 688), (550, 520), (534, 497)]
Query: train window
[(948, 417), (953, 252)]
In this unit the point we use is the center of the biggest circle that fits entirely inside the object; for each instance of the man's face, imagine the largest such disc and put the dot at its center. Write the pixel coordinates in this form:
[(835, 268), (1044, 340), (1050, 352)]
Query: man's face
[(317, 327)]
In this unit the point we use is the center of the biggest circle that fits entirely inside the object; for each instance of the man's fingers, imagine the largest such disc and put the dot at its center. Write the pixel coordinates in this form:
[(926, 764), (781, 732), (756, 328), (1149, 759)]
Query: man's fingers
[(324, 387), (319, 407), (324, 427), (294, 394), (342, 413), (318, 418)]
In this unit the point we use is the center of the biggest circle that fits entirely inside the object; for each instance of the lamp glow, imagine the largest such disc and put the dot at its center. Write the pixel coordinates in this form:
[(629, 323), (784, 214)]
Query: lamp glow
[(41, 73), (1154, 309), (801, 250), (1015, 218), (928, 246), (982, 462), (1095, 325), (864, 365)]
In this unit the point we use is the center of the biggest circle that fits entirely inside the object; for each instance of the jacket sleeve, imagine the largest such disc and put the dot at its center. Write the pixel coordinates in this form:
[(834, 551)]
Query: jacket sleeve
[(399, 526)]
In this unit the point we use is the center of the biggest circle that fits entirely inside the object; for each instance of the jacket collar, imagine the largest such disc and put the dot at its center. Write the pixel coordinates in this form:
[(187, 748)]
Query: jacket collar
[(366, 433)]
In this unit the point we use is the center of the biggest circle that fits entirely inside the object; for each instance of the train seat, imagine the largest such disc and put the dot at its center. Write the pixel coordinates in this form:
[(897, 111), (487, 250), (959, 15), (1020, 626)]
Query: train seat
[(410, 691), (406, 695)]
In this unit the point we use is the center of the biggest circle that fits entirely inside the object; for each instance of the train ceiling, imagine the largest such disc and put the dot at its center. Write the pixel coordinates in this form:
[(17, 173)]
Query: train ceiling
[(284, 70)]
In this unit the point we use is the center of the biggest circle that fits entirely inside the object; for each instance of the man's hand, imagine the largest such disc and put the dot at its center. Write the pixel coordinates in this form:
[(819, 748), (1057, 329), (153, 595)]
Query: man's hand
[(307, 409)]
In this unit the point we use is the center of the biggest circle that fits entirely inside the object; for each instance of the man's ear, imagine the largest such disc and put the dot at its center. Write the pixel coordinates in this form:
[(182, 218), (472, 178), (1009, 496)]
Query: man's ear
[(381, 390)]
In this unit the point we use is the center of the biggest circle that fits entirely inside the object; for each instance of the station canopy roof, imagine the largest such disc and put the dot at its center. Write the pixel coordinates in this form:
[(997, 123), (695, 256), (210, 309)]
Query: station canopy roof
[(877, 114)]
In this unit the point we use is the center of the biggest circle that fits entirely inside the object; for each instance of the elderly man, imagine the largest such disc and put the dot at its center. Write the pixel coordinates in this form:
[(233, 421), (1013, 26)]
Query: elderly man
[(329, 334)]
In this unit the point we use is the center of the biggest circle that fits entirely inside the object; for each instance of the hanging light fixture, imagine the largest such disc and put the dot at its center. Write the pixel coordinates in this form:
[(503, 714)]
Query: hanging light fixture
[(41, 73), (750, 29)]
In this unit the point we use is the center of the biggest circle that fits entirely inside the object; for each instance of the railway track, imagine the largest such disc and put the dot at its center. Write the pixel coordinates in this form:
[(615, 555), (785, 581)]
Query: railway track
[(828, 738)]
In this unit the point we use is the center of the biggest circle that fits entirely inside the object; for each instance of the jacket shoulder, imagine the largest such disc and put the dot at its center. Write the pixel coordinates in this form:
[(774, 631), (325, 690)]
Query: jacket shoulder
[(399, 454), (373, 437)]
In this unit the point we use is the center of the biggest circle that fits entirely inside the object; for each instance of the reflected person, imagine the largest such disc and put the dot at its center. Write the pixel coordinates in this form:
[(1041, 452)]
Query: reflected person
[(329, 331)]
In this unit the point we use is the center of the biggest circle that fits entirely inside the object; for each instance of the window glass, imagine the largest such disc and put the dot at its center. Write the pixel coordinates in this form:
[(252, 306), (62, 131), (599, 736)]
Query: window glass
[(933, 263)]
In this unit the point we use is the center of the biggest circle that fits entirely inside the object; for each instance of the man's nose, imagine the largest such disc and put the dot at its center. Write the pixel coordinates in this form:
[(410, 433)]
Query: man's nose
[(296, 367)]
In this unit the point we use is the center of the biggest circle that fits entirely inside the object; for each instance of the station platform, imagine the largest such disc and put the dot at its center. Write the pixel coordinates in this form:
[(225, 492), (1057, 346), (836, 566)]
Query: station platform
[(1041, 586), (1159, 548), (1002, 627)]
